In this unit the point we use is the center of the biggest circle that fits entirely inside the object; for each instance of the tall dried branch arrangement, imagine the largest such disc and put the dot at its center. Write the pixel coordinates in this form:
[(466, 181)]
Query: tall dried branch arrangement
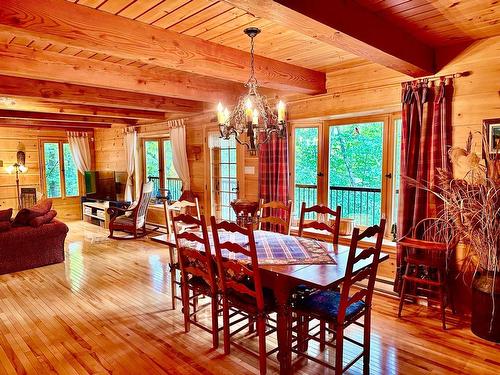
[(473, 204)]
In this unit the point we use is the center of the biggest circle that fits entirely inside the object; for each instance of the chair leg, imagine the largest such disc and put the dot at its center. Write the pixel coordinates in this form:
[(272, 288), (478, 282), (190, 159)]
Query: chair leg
[(322, 335), (215, 322), (339, 351), (251, 324), (302, 332), (366, 341), (261, 331), (173, 276), (403, 290), (225, 314), (185, 305), (442, 298), (195, 308)]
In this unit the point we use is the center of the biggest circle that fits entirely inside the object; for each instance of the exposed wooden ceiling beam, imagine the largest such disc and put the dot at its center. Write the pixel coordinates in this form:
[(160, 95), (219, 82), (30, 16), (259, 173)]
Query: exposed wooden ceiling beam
[(349, 26), (62, 22), (24, 104), (25, 115), (68, 93), (26, 62), (49, 124)]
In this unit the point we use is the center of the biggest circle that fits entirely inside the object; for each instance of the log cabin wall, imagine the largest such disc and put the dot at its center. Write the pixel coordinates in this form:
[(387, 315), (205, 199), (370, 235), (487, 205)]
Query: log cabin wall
[(67, 209)]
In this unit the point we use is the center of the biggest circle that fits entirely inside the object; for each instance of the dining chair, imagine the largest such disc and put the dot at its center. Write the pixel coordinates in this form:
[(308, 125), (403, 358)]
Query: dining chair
[(335, 311), (275, 222), (176, 208), (326, 220), (198, 275), (241, 287), (426, 253), (191, 207)]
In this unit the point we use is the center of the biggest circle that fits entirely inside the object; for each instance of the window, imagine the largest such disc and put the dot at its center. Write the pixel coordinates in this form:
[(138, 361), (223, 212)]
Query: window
[(353, 163), (355, 170), (159, 168), (306, 167), (60, 173)]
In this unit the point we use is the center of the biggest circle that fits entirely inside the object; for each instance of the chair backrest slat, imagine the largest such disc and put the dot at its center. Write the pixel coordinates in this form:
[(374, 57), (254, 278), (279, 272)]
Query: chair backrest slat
[(270, 212), (240, 276), (142, 206), (193, 249), (370, 256), (319, 209)]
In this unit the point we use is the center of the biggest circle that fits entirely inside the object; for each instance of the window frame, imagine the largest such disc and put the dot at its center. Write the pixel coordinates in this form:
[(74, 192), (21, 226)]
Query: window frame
[(161, 156), (388, 140), (62, 177)]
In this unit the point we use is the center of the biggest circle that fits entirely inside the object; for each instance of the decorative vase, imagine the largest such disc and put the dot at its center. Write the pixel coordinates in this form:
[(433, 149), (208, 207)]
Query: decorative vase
[(485, 293)]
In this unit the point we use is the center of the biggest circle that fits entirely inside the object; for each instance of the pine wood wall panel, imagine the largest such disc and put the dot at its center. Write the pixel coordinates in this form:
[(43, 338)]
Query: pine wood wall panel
[(110, 150)]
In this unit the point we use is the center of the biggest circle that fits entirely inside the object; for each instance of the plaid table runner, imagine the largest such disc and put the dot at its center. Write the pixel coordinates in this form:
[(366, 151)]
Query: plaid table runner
[(274, 248)]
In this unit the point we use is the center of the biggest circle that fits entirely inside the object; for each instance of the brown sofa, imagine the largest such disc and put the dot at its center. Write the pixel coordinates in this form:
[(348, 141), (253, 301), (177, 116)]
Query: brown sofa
[(25, 247)]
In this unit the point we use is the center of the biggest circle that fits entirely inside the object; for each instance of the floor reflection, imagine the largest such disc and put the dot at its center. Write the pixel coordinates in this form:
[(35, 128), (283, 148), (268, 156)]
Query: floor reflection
[(75, 265), (158, 272)]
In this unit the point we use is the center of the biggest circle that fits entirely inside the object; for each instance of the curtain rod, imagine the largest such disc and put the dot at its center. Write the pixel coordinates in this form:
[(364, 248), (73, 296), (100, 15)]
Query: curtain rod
[(437, 78)]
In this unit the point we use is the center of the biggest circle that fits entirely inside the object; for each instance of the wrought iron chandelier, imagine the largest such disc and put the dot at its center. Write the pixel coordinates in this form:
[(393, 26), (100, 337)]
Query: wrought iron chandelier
[(252, 116)]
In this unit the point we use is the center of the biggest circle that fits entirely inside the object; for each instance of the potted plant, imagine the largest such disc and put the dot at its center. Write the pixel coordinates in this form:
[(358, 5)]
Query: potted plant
[(472, 202)]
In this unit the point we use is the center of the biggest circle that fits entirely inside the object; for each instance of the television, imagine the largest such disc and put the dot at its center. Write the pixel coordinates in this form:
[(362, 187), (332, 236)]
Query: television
[(105, 185)]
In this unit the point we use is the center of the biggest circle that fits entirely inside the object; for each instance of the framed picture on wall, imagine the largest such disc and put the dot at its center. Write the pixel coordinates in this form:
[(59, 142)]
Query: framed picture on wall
[(492, 128)]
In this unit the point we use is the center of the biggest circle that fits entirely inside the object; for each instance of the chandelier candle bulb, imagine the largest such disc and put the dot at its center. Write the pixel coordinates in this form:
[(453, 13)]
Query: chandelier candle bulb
[(281, 111), (255, 120), (220, 113)]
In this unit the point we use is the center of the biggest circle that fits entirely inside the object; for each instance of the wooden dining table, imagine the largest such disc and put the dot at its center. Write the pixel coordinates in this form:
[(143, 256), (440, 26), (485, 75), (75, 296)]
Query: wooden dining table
[(284, 278)]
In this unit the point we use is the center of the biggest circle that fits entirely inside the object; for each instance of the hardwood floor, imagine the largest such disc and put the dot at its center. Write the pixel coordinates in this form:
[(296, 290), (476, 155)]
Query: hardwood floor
[(107, 310)]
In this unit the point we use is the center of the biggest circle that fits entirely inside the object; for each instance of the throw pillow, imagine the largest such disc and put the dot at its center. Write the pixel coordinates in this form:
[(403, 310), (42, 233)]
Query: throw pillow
[(44, 219), (25, 215), (5, 215), (45, 205), (4, 226)]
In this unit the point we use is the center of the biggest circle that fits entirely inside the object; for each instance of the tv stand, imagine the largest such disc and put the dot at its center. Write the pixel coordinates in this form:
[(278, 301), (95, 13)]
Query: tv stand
[(96, 211)]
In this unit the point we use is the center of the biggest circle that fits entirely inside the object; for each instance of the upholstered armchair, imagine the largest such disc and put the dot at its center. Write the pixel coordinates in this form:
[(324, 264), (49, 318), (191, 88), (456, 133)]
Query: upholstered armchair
[(131, 220)]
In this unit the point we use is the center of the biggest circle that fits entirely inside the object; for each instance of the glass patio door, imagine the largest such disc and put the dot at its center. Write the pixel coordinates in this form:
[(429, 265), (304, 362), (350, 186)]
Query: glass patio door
[(355, 164), (224, 180), (306, 186)]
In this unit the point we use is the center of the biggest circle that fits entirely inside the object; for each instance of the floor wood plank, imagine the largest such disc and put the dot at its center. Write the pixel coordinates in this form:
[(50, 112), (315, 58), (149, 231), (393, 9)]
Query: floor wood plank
[(107, 310)]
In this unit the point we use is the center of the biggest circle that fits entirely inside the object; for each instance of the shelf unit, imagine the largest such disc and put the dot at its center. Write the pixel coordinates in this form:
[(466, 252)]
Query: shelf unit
[(96, 213)]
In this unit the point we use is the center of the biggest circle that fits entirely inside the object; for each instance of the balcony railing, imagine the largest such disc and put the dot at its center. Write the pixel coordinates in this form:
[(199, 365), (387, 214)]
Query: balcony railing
[(358, 203), (172, 191)]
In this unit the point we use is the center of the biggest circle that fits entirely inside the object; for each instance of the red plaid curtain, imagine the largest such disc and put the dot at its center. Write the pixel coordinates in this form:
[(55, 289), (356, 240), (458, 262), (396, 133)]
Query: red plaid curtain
[(425, 139), (273, 172)]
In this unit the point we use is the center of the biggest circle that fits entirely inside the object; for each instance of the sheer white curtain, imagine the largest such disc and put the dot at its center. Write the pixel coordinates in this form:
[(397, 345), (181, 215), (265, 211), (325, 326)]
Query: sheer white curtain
[(179, 153), (80, 150), (130, 141)]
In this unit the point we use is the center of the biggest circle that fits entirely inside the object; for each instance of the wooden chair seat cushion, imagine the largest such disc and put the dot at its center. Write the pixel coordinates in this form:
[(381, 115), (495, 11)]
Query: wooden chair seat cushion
[(124, 220), (325, 305), (200, 285), (247, 303)]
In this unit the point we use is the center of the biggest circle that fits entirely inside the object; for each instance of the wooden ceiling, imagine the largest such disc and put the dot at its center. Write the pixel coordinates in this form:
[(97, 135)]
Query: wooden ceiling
[(99, 62), (441, 22)]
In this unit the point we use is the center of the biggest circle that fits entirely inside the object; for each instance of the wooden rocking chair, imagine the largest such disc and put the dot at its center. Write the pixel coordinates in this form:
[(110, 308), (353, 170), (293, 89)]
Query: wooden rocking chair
[(133, 222)]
